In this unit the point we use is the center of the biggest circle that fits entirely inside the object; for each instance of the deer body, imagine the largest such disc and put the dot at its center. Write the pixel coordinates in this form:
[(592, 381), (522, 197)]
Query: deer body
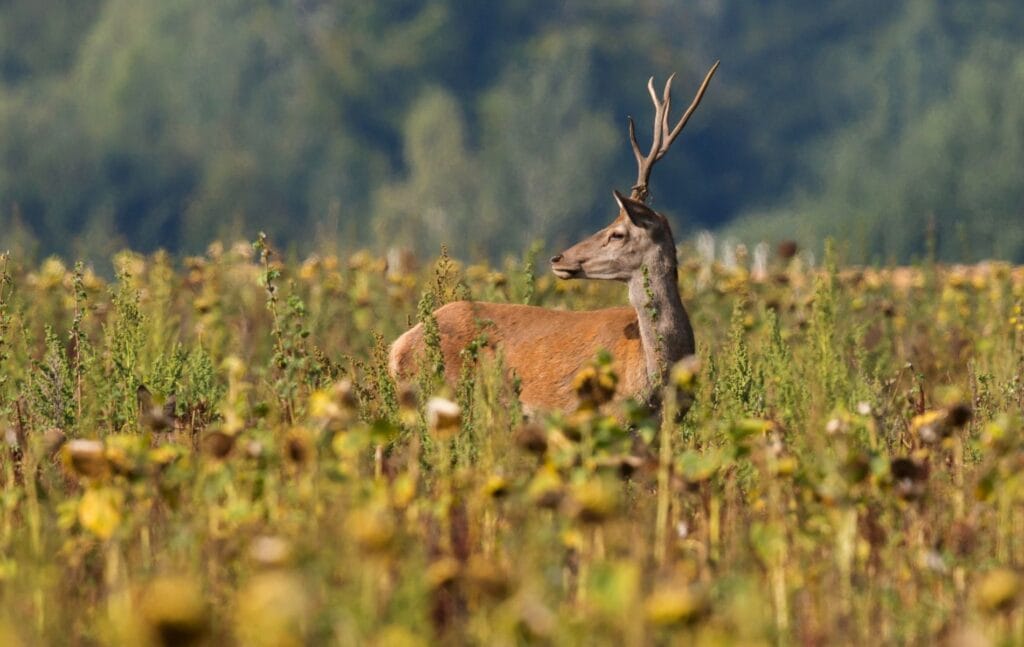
[(546, 348), (533, 346)]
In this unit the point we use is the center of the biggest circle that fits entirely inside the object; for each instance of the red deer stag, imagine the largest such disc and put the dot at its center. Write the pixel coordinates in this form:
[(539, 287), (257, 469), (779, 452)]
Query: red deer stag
[(546, 348)]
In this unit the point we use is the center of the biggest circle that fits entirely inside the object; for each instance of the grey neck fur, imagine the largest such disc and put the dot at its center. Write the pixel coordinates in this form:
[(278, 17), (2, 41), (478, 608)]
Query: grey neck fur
[(665, 332)]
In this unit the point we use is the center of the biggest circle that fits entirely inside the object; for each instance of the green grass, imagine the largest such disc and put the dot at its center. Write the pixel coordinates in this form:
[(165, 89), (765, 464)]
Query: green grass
[(211, 451)]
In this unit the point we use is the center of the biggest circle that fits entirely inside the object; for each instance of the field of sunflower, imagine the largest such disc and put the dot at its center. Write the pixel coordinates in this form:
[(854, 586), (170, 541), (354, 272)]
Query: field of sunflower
[(212, 452)]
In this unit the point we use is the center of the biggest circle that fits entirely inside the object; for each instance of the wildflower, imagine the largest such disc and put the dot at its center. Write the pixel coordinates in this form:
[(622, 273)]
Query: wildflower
[(675, 605), (396, 636), (685, 372), (272, 610), (535, 619), (998, 590), (496, 487), (216, 443), (125, 454), (487, 577), (909, 477), (546, 489), (934, 426), (99, 511), (593, 500), (595, 384), (53, 440), (310, 268), (270, 551), (85, 458), (155, 413), (999, 433), (371, 528), (299, 446), (442, 572), (533, 438), (174, 610), (408, 404), (786, 466), (403, 490)]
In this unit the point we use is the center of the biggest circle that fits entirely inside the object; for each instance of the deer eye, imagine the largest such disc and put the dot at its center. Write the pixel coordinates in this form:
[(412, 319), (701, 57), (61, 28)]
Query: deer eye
[(616, 235)]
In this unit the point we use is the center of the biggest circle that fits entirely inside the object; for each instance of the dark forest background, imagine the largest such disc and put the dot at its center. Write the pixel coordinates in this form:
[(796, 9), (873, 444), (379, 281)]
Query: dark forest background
[(897, 127)]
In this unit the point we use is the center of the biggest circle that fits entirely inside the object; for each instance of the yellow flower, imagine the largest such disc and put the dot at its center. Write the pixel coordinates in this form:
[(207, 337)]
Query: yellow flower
[(99, 511), (674, 605), (175, 610)]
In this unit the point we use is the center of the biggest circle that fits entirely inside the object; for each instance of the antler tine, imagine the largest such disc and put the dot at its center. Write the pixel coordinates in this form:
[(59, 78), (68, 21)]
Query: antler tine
[(671, 137), (644, 162), (663, 137), (659, 112), (667, 108), (632, 141)]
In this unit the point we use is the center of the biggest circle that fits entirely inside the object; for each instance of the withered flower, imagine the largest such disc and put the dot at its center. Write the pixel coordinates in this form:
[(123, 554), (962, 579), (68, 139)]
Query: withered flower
[(86, 458), (676, 604), (998, 591), (299, 446), (909, 477), (532, 437), (174, 609), (216, 443)]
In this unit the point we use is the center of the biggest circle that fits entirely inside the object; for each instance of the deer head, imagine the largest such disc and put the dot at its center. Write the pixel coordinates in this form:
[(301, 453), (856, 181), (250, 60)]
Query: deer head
[(638, 237)]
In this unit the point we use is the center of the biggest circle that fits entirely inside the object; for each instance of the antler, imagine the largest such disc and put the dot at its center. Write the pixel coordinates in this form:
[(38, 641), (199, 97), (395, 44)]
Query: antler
[(663, 137)]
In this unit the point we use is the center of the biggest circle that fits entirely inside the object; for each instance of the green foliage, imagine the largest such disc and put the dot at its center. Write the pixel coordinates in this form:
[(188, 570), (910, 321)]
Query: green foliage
[(852, 448), (53, 386), (125, 341), (340, 123)]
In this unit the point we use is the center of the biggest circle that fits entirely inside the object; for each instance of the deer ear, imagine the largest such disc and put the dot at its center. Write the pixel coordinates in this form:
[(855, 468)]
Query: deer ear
[(639, 214)]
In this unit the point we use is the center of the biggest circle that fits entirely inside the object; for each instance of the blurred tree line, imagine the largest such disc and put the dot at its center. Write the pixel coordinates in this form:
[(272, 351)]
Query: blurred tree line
[(486, 125)]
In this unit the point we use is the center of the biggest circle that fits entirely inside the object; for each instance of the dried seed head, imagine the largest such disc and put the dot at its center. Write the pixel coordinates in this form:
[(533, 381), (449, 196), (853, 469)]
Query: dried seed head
[(787, 249), (595, 384), (685, 372), (442, 572), (254, 449), (488, 577), (53, 440), (496, 487), (372, 529), (675, 605), (593, 501), (86, 458), (408, 404), (299, 446), (931, 426), (998, 591), (909, 477), (273, 609), (216, 443), (345, 395), (959, 414), (407, 397), (546, 489), (532, 437), (271, 552), (174, 609)]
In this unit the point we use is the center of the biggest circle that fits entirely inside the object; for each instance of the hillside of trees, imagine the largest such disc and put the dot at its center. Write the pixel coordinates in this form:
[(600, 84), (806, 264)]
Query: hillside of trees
[(897, 127)]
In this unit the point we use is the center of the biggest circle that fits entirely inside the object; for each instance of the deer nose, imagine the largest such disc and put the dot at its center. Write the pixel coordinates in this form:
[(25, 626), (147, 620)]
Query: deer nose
[(555, 259)]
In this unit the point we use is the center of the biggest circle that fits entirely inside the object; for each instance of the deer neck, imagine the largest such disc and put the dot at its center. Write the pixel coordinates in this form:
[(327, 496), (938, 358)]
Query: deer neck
[(665, 332)]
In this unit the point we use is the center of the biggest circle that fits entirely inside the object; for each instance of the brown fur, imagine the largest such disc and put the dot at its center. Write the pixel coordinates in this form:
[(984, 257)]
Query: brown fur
[(534, 345)]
